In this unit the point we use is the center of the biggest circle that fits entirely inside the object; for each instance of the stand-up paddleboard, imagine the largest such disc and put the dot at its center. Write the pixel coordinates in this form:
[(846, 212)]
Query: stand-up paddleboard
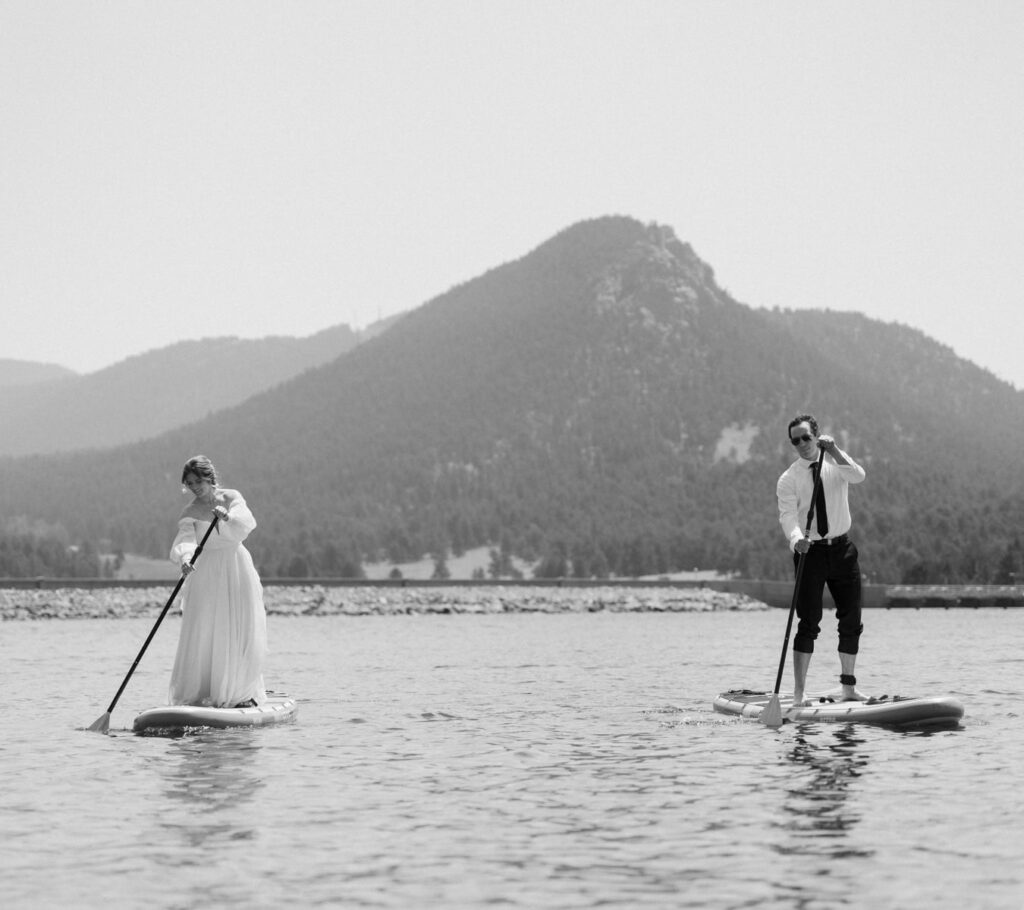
[(889, 711), (276, 709)]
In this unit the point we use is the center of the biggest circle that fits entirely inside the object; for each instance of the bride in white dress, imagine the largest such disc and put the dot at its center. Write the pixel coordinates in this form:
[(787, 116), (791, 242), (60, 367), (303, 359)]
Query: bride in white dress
[(223, 642)]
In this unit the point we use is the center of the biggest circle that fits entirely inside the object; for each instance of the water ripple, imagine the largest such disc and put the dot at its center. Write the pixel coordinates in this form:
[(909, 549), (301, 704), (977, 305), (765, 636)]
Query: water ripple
[(586, 770)]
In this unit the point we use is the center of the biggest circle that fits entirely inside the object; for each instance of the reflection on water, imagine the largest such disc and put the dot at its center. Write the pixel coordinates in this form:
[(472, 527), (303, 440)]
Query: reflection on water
[(210, 777), (526, 762), (818, 813)]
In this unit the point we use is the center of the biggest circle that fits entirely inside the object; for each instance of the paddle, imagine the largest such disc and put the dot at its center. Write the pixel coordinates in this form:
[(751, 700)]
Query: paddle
[(102, 723), (771, 716)]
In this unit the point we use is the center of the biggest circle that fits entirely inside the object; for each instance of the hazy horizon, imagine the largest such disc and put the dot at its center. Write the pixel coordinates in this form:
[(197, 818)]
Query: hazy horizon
[(190, 170)]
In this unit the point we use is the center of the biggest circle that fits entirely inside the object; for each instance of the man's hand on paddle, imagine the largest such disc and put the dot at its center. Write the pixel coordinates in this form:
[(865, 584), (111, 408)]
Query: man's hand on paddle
[(827, 443)]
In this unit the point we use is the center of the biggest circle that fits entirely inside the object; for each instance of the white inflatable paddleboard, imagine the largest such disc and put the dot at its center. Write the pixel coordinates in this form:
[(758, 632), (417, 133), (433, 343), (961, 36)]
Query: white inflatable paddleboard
[(276, 709), (889, 711)]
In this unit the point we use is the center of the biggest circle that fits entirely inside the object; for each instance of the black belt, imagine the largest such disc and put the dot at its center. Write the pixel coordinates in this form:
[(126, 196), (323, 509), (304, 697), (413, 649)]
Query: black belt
[(831, 541)]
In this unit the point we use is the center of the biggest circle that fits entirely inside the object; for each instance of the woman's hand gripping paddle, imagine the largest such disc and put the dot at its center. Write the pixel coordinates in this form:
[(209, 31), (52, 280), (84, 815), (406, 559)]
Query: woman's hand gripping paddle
[(102, 723), (771, 716)]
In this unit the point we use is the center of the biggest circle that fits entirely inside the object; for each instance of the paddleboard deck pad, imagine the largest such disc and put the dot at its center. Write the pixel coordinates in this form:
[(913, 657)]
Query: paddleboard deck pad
[(886, 710), (276, 709)]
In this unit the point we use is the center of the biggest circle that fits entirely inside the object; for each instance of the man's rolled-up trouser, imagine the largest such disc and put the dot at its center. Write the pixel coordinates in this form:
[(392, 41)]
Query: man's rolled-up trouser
[(839, 568)]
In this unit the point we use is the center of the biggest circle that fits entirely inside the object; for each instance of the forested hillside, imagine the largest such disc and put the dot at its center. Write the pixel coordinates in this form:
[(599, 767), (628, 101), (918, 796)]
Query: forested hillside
[(28, 550), (599, 406)]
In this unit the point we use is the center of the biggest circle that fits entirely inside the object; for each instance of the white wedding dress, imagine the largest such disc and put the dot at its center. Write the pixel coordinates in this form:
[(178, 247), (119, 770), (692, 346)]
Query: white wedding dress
[(223, 641)]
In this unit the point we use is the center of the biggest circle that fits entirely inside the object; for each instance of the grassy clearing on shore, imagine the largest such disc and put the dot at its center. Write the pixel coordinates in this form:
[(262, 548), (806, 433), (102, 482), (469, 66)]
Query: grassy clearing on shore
[(459, 567)]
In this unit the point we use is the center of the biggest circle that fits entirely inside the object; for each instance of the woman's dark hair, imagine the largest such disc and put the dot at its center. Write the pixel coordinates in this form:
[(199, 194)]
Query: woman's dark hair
[(202, 467)]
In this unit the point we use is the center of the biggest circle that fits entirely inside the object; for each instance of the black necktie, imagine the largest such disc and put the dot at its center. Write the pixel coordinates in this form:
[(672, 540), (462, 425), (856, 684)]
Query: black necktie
[(820, 513)]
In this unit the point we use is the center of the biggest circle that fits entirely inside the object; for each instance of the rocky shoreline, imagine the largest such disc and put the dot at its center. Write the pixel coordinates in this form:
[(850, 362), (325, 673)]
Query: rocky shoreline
[(320, 600)]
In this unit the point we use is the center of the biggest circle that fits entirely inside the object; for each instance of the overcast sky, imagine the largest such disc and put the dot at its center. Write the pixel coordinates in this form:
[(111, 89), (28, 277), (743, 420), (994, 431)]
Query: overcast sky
[(175, 170)]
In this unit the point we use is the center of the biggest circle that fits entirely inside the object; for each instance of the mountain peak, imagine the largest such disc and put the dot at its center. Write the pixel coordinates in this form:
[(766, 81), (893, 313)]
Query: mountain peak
[(660, 274), (600, 403)]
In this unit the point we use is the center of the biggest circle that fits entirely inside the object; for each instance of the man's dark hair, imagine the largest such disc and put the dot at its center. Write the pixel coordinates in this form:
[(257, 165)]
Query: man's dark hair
[(803, 418)]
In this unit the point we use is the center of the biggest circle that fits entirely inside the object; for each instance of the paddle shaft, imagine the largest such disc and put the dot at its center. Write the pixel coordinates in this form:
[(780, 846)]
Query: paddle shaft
[(163, 613), (799, 576)]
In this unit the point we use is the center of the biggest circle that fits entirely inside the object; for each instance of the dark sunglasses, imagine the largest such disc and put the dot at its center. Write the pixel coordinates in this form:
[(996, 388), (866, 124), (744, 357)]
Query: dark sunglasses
[(796, 440)]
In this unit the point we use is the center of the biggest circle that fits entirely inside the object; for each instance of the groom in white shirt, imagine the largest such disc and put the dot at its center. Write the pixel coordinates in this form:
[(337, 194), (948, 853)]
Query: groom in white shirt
[(830, 557)]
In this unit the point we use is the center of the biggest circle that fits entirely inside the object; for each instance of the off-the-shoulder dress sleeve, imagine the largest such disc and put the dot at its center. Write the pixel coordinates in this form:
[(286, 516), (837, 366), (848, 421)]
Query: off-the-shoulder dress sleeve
[(240, 523), (184, 542)]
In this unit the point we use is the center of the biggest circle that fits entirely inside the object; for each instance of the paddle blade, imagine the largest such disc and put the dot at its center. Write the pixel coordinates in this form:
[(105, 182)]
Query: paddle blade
[(771, 716), (101, 724)]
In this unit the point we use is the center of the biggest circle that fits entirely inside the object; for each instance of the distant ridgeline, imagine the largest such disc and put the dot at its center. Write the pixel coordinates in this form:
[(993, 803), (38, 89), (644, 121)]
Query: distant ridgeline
[(598, 407), (151, 393)]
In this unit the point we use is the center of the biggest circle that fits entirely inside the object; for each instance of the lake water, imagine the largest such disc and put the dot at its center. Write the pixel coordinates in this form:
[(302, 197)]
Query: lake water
[(518, 761)]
